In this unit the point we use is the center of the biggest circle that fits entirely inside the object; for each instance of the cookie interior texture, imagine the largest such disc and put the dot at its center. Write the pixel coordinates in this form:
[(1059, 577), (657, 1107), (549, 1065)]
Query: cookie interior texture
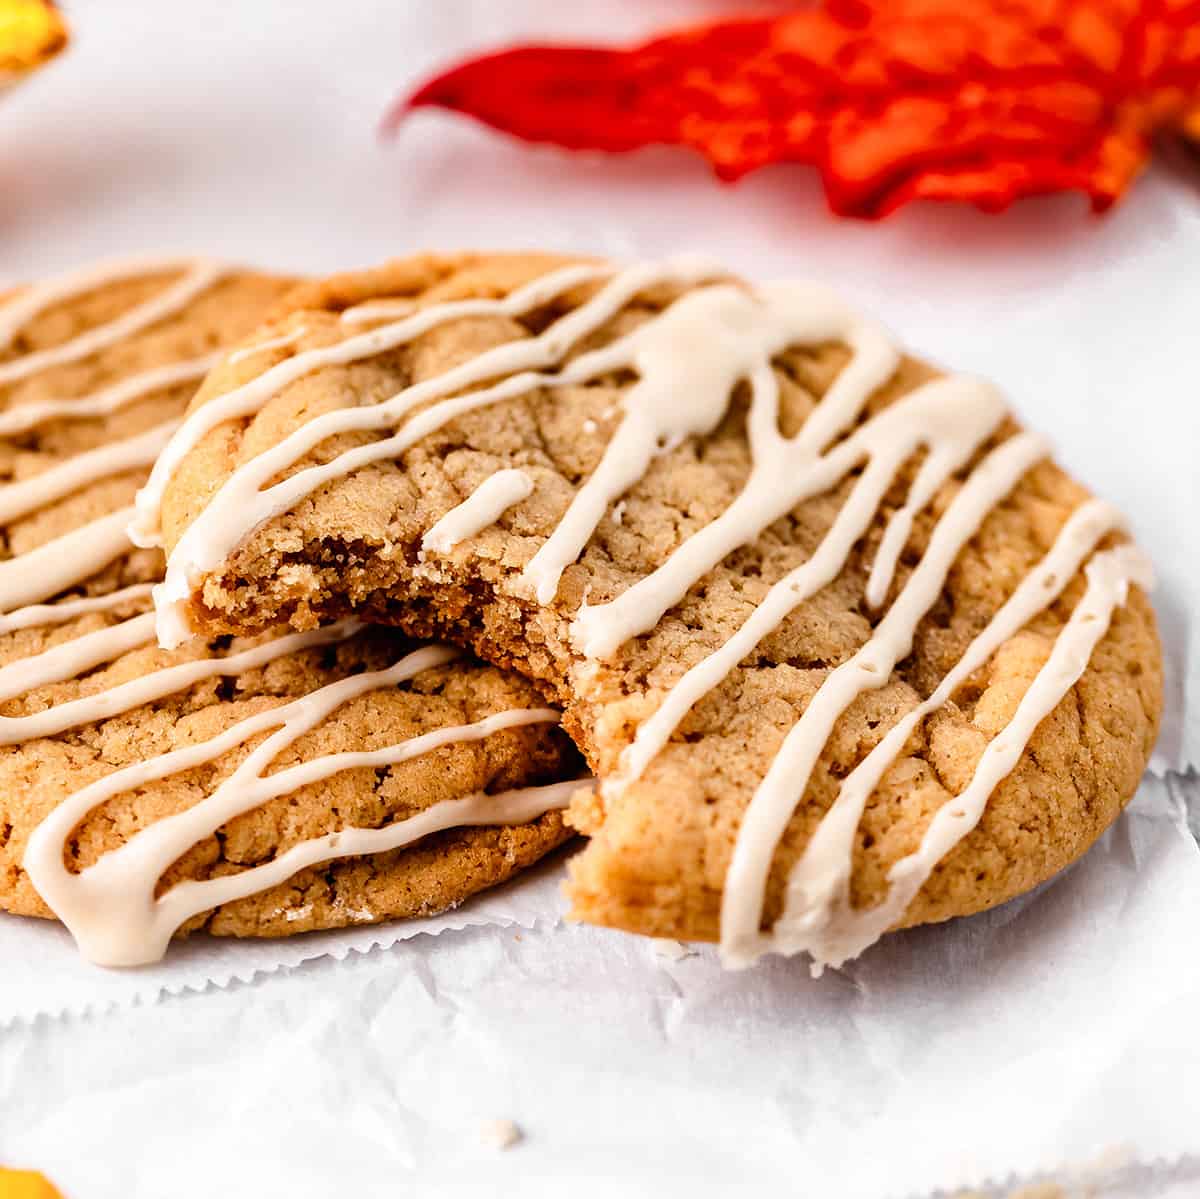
[(658, 854), (37, 775)]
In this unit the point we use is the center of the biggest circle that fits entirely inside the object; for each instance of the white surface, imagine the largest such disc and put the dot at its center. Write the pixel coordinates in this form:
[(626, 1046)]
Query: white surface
[(1050, 1029), (1054, 1030), (44, 975)]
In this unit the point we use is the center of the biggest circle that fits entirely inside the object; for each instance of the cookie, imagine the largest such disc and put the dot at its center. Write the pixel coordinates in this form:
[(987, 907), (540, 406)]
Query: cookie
[(256, 787), (848, 651)]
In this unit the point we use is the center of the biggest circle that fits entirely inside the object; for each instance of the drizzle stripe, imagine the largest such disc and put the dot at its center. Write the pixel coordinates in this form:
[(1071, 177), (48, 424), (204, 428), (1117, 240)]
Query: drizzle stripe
[(200, 274), (892, 442), (20, 499), (781, 790), (483, 507), (835, 931), (160, 683), (240, 505), (951, 416), (67, 560), (39, 615), (29, 578), (378, 310), (107, 401), (16, 312), (271, 343), (72, 658)]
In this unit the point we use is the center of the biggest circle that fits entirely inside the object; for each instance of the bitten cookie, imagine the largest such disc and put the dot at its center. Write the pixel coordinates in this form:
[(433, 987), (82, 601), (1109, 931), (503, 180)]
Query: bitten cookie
[(253, 787), (845, 647)]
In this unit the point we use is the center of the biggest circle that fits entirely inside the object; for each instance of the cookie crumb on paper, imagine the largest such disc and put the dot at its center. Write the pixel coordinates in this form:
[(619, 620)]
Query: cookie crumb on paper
[(500, 1134), (670, 950)]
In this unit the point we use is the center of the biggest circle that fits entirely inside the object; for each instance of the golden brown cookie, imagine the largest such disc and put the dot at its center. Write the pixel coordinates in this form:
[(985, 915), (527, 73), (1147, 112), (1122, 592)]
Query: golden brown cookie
[(131, 800), (846, 648)]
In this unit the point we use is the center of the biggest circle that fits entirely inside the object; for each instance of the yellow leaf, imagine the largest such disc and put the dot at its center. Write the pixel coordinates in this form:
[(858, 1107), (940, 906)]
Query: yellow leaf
[(26, 1184), (31, 31)]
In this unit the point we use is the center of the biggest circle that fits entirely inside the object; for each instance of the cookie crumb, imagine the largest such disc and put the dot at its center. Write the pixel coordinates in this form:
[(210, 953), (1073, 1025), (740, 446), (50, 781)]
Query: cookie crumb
[(670, 951), (618, 513), (500, 1134)]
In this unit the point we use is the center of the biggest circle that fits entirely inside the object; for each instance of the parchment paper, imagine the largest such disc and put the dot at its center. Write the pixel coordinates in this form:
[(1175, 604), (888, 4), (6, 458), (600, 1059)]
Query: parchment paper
[(1058, 1031), (43, 974)]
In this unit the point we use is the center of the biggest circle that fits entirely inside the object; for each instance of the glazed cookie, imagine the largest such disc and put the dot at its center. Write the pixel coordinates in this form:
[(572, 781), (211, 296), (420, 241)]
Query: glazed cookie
[(846, 648), (252, 788)]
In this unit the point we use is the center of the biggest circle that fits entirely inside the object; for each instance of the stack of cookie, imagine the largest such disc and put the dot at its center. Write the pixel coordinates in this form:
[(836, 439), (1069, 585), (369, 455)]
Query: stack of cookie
[(811, 640)]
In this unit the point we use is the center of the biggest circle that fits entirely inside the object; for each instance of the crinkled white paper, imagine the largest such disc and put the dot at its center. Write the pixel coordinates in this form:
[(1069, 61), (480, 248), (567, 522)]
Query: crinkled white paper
[(43, 974), (1057, 1031)]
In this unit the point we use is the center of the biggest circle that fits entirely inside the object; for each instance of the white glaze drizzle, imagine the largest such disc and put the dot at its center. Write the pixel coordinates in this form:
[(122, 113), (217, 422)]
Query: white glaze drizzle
[(951, 416), (29, 495), (818, 916), (110, 908), (24, 417), (62, 662), (244, 502), (42, 615), (803, 583), (700, 348), (21, 308), (198, 275), (66, 661), (742, 332), (654, 419), (378, 310), (271, 343), (775, 799), (64, 562), (483, 507)]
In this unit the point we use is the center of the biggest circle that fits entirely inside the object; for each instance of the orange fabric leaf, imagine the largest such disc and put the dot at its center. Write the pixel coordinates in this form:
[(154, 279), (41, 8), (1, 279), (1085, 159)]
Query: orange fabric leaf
[(31, 31), (892, 100)]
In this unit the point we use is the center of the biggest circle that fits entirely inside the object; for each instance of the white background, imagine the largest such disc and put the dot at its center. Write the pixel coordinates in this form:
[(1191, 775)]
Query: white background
[(250, 130)]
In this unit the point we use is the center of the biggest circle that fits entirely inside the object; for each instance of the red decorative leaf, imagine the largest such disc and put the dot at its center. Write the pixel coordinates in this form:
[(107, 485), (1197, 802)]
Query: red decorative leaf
[(892, 100)]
